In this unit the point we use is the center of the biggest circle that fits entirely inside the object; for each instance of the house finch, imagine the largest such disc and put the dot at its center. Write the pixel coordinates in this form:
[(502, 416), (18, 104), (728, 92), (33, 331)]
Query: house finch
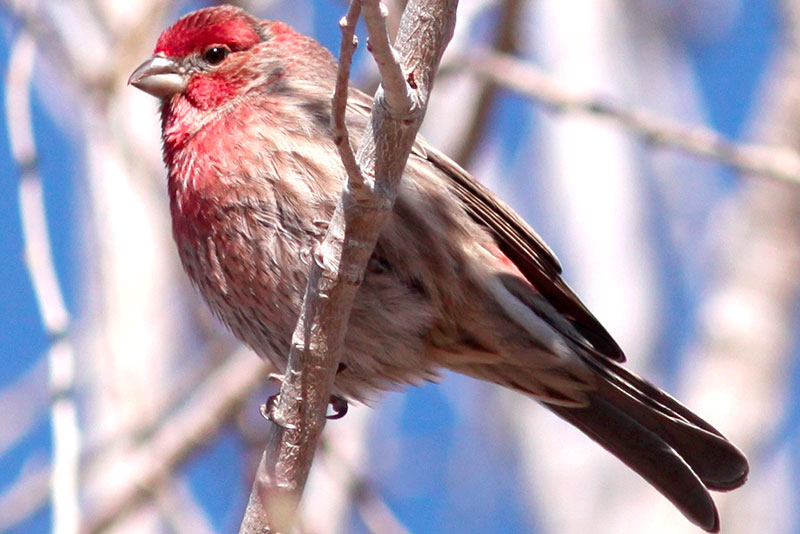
[(457, 279)]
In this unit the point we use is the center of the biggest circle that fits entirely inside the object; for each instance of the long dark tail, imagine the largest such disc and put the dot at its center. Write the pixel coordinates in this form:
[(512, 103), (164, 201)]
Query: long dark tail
[(677, 452)]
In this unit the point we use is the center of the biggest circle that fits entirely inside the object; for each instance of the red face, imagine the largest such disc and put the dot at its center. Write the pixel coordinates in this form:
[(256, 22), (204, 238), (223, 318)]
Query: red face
[(210, 58), (207, 46), (207, 56)]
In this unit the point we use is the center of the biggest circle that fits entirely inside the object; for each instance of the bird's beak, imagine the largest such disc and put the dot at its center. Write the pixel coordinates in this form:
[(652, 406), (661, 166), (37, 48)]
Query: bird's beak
[(159, 76)]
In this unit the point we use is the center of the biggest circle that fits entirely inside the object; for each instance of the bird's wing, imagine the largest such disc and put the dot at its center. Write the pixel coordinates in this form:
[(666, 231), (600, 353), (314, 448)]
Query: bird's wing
[(515, 238), (523, 246)]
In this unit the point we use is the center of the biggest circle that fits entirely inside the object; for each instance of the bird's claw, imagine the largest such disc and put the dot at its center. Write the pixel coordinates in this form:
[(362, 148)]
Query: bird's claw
[(269, 411), (339, 406)]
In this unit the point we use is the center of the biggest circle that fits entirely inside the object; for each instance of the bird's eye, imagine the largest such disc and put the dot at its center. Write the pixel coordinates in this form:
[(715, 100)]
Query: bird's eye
[(216, 54)]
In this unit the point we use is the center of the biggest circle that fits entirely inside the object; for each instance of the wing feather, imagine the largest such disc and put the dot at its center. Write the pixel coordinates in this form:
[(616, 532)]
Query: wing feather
[(515, 238), (523, 246)]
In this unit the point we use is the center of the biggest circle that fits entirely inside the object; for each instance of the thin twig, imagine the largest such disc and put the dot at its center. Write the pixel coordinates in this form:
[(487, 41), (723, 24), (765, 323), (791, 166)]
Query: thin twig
[(52, 310), (24, 496), (216, 401), (777, 162), (505, 42), (339, 102), (396, 90)]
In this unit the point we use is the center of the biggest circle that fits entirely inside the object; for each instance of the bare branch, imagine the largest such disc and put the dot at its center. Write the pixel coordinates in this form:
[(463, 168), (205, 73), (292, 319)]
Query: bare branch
[(341, 259), (505, 41), (397, 94), (24, 497), (213, 403), (23, 404), (53, 312), (777, 162), (339, 103)]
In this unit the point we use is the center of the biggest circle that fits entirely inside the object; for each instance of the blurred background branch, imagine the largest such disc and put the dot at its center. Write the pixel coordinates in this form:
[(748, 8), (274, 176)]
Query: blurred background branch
[(55, 318), (778, 161)]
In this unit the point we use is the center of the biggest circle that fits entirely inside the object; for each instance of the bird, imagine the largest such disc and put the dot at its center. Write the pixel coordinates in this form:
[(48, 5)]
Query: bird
[(457, 279)]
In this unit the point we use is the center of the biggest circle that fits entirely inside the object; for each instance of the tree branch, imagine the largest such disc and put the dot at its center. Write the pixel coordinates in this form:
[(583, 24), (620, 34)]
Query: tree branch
[(397, 93), (191, 421), (52, 310), (178, 436), (341, 259), (506, 35), (778, 162), (339, 103)]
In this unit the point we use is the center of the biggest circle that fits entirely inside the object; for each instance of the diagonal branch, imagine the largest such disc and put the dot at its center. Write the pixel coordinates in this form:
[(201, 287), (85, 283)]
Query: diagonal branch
[(777, 162), (506, 35), (191, 421), (153, 462), (341, 259)]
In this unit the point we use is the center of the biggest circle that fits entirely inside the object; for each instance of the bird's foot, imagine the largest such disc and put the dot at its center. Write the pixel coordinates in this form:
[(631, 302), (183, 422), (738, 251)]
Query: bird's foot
[(339, 406), (269, 411)]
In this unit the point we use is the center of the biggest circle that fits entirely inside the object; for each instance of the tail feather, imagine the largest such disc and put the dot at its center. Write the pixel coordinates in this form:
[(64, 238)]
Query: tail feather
[(677, 452), (718, 463), (647, 454)]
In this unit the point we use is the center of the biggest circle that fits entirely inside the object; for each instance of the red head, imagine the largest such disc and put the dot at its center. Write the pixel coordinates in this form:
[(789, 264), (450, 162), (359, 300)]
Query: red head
[(210, 60), (224, 26), (222, 74), (214, 54), (203, 57)]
